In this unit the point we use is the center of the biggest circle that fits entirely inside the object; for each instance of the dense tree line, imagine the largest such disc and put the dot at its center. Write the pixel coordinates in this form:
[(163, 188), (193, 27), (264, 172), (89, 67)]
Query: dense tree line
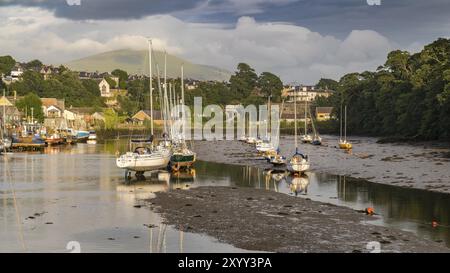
[(408, 96), (245, 87)]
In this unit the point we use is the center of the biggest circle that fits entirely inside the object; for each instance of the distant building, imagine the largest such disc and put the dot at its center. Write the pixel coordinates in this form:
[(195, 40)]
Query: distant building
[(190, 84), (52, 107), (16, 73), (96, 117), (12, 114), (144, 115), (53, 112), (105, 89), (323, 113), (304, 93), (48, 71)]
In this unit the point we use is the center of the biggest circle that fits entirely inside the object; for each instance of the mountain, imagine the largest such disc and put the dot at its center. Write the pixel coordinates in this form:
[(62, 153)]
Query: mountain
[(136, 62)]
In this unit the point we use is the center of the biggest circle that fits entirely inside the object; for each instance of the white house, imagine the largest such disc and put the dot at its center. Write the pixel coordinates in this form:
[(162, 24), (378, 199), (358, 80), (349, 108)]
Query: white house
[(105, 89), (16, 73), (53, 112), (305, 93)]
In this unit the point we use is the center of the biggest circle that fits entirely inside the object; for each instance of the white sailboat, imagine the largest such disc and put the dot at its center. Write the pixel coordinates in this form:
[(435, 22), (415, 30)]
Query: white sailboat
[(278, 159), (316, 139), (299, 162), (343, 143), (265, 145), (306, 138), (182, 156), (145, 157)]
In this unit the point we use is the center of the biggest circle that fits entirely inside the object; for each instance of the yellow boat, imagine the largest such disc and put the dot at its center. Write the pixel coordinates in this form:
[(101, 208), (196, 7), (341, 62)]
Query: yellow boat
[(345, 145)]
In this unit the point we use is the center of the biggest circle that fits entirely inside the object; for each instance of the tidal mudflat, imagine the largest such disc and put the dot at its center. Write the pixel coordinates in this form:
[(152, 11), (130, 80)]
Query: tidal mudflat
[(421, 165), (263, 220)]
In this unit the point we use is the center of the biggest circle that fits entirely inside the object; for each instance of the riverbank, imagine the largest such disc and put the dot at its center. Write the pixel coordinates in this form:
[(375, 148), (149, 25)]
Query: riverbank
[(262, 220), (422, 166)]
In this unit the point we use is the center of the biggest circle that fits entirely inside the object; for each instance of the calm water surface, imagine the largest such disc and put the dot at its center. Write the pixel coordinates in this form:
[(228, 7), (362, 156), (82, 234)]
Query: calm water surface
[(78, 194)]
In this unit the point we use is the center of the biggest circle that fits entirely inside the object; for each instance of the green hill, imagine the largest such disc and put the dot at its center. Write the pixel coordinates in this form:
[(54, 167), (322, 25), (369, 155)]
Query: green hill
[(136, 62)]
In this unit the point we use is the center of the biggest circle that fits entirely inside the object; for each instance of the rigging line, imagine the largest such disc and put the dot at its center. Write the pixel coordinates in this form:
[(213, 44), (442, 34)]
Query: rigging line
[(16, 206)]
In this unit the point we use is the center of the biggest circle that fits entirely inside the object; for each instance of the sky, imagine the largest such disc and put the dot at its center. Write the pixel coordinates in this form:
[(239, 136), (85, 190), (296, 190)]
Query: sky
[(299, 40)]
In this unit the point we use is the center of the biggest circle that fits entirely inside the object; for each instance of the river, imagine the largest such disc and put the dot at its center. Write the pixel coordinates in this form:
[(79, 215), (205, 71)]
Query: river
[(77, 194)]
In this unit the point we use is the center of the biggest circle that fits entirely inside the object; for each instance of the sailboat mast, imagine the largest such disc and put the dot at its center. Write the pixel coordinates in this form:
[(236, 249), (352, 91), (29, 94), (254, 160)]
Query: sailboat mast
[(162, 103), (166, 108), (4, 121), (182, 101), (295, 118), (170, 100), (151, 84), (270, 119), (340, 120), (306, 114), (345, 137)]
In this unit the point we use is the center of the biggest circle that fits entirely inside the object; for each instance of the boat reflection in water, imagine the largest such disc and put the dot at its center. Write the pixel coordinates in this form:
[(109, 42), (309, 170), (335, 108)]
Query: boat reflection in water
[(163, 181), (158, 182), (298, 184)]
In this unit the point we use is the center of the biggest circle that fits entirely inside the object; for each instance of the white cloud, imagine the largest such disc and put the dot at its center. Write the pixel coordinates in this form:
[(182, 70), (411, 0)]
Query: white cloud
[(295, 53)]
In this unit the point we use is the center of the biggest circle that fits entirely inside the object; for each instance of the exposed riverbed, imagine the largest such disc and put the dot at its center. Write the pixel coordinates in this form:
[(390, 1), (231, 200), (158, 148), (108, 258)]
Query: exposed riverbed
[(421, 166), (263, 220), (78, 194)]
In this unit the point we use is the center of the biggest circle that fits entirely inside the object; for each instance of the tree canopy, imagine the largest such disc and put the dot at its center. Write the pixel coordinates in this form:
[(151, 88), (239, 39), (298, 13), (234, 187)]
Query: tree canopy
[(123, 77), (66, 86), (270, 85), (31, 101), (7, 63), (408, 96)]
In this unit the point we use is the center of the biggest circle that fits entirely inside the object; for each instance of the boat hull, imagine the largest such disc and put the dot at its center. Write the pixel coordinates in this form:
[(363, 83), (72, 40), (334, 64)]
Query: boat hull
[(54, 141), (143, 163), (298, 168), (178, 161), (345, 146), (298, 164)]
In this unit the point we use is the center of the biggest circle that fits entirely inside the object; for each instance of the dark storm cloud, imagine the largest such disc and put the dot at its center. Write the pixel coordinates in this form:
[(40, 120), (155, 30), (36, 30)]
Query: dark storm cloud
[(404, 21), (107, 9)]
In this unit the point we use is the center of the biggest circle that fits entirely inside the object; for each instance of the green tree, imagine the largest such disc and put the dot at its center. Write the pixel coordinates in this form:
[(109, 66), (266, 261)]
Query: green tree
[(408, 96), (327, 84), (243, 82), (112, 83), (31, 101), (34, 64), (123, 77), (7, 63), (270, 85), (111, 119)]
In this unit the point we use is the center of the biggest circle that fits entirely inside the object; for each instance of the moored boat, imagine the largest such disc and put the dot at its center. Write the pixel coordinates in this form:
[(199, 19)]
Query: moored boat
[(82, 136), (182, 158), (299, 162), (343, 143), (92, 138), (54, 139)]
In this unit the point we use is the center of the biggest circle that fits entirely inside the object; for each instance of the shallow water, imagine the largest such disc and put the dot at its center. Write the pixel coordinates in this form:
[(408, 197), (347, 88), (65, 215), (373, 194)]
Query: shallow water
[(79, 195)]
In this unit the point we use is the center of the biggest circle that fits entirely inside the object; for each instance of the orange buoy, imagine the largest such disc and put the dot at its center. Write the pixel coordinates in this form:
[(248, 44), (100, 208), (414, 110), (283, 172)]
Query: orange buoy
[(434, 223), (370, 211)]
